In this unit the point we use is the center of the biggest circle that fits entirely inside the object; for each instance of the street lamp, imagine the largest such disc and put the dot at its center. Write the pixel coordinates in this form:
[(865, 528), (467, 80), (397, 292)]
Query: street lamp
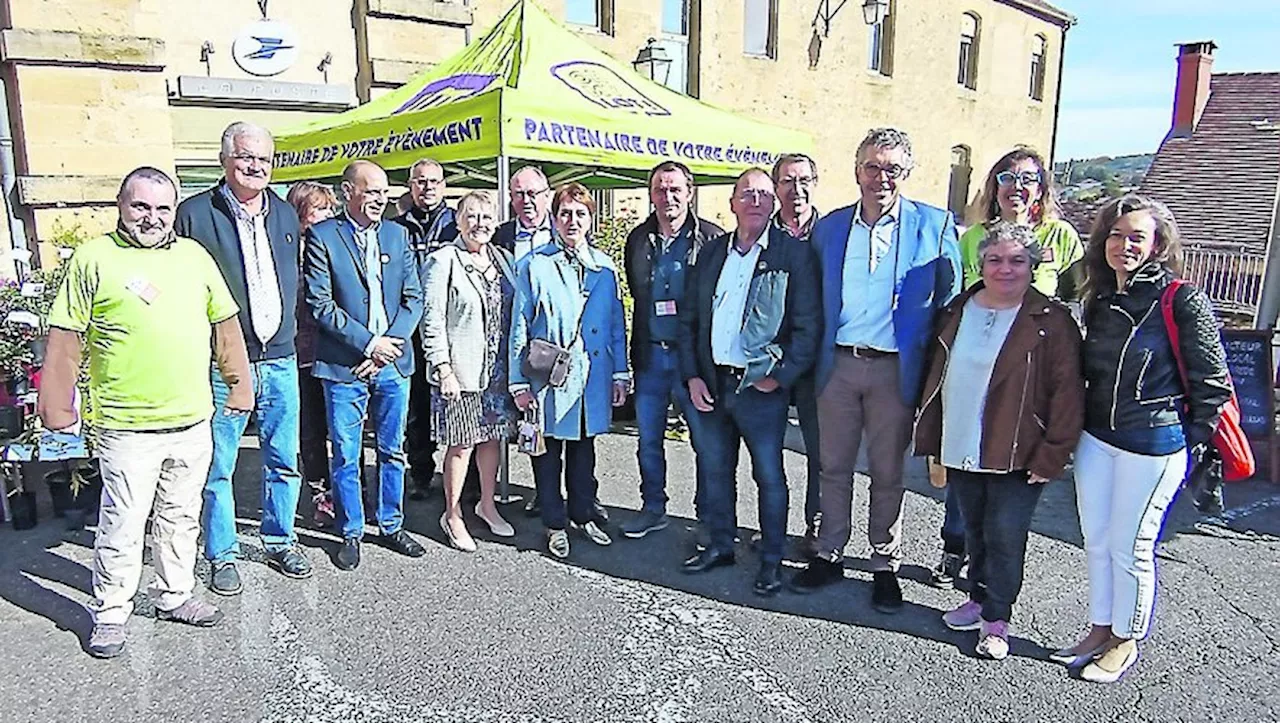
[(653, 62), (874, 11)]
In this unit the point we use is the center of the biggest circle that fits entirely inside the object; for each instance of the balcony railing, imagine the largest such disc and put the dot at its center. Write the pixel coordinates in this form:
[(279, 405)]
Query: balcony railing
[(1231, 277)]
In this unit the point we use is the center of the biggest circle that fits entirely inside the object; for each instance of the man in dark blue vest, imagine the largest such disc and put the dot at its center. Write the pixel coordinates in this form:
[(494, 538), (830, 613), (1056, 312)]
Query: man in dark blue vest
[(252, 234)]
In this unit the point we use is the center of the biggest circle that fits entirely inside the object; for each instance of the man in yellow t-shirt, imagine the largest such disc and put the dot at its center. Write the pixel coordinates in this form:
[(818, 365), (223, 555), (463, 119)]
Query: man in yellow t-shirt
[(153, 310)]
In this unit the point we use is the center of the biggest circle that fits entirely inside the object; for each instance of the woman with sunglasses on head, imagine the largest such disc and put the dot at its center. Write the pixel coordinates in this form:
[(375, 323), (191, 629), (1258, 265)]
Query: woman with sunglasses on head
[(1018, 190), (1139, 419)]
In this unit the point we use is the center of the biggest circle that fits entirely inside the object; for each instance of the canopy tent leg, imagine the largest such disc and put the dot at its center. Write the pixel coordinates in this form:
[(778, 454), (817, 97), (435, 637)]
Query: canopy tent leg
[(504, 496)]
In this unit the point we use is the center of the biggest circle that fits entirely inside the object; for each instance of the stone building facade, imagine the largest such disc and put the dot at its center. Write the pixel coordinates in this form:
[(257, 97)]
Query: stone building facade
[(97, 87)]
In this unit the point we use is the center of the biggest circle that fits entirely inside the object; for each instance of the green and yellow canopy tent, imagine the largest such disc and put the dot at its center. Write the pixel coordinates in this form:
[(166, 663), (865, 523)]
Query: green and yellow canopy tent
[(531, 90)]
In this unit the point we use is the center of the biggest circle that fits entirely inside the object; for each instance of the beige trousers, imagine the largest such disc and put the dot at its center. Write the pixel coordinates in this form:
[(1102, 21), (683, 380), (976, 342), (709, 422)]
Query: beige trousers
[(862, 395), (140, 470)]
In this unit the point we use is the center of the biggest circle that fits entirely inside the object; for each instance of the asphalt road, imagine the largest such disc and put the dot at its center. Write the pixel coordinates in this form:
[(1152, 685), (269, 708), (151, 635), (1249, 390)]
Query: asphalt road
[(617, 634)]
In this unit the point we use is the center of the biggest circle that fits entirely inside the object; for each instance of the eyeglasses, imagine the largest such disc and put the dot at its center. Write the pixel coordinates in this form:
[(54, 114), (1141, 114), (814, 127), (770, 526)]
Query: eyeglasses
[(755, 195), (893, 173), (531, 194), (1026, 178), (427, 182), (249, 159), (799, 181)]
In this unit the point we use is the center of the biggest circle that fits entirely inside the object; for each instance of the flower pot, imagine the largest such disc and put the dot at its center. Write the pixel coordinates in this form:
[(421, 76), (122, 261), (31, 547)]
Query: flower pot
[(22, 505), (59, 482)]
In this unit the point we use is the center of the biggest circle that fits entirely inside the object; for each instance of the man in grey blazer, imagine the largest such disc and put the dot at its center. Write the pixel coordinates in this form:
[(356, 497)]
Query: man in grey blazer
[(364, 291)]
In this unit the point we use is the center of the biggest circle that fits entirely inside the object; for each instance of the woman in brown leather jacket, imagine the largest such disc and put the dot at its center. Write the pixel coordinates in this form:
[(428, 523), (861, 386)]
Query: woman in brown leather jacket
[(1002, 413)]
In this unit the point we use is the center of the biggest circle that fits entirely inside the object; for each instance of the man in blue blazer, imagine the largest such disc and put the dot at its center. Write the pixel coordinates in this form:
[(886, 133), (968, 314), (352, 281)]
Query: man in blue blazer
[(364, 291), (253, 236), (888, 265), (751, 322)]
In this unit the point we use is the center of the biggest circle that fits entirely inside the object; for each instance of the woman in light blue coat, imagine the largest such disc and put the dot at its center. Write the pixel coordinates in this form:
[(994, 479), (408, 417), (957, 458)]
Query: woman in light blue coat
[(567, 293)]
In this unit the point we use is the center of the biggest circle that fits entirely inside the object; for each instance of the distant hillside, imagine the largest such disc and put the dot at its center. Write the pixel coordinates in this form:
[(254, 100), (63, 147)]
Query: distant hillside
[(1085, 177)]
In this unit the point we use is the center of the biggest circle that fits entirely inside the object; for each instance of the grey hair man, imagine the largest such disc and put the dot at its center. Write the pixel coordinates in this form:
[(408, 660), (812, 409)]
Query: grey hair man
[(154, 311), (252, 234), (888, 265), (430, 224)]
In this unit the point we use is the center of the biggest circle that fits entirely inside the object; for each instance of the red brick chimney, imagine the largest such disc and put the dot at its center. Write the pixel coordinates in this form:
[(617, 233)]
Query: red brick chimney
[(1195, 66)]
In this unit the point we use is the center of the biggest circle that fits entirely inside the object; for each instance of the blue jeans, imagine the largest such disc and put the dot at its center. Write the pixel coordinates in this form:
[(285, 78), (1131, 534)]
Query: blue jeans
[(760, 420), (275, 391), (953, 535), (386, 400), (657, 386)]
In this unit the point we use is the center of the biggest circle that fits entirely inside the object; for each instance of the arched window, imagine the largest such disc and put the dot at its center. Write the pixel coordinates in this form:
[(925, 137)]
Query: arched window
[(970, 37), (958, 189), (1039, 53)]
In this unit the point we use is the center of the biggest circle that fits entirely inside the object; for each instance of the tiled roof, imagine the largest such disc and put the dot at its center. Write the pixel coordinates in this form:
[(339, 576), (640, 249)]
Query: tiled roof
[(1222, 182)]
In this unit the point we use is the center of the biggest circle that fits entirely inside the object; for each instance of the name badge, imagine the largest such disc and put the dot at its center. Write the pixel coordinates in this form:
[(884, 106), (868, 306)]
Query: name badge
[(664, 308), (144, 289), (1046, 254)]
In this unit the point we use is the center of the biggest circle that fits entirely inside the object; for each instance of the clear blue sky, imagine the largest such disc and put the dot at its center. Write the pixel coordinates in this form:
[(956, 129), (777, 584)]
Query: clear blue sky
[(1117, 88)]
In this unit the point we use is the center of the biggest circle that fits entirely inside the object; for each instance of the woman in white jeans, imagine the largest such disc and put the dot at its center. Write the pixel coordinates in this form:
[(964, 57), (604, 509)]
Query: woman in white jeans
[(1139, 420)]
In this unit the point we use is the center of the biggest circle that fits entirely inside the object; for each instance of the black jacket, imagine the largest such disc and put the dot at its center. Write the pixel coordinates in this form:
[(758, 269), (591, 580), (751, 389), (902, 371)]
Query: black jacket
[(207, 218), (428, 231), (505, 236), (800, 331), (638, 264), (1131, 376)]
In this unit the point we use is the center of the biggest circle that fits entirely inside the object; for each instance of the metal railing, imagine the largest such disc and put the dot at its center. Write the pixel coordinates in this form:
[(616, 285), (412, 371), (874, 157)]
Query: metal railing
[(1231, 277)]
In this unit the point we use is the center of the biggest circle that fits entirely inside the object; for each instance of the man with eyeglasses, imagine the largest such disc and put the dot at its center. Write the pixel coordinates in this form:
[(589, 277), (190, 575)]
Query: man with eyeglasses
[(888, 265), (364, 290), (530, 226), (252, 234), (750, 328), (657, 257), (430, 224), (796, 177)]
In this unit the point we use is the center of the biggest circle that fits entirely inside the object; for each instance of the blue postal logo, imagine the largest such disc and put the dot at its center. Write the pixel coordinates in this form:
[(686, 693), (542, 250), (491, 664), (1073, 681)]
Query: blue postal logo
[(447, 90), (604, 87), (266, 48)]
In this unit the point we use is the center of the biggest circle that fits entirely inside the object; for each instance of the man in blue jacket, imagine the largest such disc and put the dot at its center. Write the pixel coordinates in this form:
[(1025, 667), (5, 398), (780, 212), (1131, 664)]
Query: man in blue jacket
[(252, 234), (365, 294), (750, 324), (888, 265)]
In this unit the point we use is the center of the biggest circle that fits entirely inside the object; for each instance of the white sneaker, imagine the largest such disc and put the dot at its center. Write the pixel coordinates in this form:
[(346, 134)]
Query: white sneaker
[(594, 533), (558, 543)]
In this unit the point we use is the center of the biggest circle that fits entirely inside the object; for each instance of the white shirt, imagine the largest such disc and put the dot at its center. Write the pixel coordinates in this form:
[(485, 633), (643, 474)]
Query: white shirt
[(529, 239), (981, 335), (263, 287), (729, 305)]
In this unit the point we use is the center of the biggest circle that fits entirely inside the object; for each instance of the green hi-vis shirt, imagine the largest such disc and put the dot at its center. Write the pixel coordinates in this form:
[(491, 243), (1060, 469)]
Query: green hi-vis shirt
[(1060, 246), (147, 315)]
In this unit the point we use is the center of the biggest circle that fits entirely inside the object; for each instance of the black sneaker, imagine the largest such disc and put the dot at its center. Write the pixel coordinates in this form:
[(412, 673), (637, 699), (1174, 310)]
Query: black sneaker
[(944, 576), (886, 593), (290, 562), (644, 523), (818, 574), (349, 554), (399, 541), (599, 513), (225, 579), (532, 508)]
